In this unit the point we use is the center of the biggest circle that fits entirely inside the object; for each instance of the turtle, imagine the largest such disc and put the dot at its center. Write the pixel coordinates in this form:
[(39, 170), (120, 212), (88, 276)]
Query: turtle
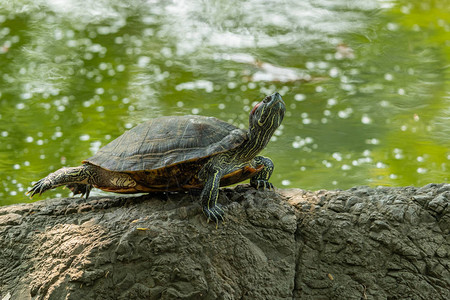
[(179, 153)]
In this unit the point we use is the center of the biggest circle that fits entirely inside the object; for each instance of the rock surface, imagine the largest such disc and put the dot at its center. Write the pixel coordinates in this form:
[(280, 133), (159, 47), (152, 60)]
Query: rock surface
[(362, 243)]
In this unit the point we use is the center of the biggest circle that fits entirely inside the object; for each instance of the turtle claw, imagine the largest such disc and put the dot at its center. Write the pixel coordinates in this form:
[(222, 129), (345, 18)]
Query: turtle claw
[(262, 185), (214, 213), (79, 188), (40, 186)]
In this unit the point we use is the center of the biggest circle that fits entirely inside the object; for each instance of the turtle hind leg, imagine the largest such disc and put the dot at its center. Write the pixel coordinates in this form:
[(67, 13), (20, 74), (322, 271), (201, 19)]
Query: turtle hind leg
[(261, 180), (79, 188), (61, 177)]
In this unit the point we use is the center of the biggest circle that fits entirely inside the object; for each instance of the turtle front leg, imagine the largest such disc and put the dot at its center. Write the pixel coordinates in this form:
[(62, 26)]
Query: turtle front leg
[(261, 180), (74, 177), (209, 196)]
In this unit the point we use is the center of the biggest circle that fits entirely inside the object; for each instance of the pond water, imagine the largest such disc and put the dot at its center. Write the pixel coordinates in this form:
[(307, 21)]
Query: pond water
[(366, 83)]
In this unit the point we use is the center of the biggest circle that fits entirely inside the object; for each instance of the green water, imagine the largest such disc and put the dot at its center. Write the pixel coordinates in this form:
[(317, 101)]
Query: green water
[(366, 83)]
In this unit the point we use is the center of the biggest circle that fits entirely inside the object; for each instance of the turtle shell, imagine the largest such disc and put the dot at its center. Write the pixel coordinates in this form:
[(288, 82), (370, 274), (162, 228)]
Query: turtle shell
[(167, 141)]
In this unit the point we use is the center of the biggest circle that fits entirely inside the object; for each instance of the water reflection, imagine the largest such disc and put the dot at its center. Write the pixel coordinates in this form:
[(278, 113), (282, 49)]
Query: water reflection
[(365, 83)]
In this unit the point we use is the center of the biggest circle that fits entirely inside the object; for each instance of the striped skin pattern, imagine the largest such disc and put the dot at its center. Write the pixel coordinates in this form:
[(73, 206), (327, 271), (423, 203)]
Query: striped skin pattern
[(179, 153)]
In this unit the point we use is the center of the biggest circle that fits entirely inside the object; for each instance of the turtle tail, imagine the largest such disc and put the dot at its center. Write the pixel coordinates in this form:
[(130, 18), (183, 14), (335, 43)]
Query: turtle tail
[(76, 179)]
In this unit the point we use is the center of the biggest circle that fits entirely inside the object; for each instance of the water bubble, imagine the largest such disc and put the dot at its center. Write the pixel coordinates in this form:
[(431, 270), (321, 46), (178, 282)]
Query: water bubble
[(388, 76), (278, 132), (70, 33), (166, 52), (285, 182), (380, 165), (310, 65), (26, 96), (363, 160), (149, 32), (344, 114), (372, 141), (392, 26), (401, 91), (84, 137), (4, 133), (231, 85), (72, 43), (322, 65), (88, 56), (143, 61), (337, 156), (393, 176), (405, 9), (384, 103), (331, 102), (365, 119), (95, 146), (319, 89), (195, 111), (29, 139), (366, 153), (299, 97), (334, 72), (208, 86), (298, 144), (128, 125), (399, 156), (221, 106), (100, 108), (16, 167), (345, 167), (120, 68), (422, 170), (180, 104)]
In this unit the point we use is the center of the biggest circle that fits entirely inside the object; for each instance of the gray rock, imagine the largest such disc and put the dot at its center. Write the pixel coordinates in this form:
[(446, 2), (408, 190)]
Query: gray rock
[(363, 243)]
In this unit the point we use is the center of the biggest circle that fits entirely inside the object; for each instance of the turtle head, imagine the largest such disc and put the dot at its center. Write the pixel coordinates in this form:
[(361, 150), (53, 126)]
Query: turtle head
[(267, 115)]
